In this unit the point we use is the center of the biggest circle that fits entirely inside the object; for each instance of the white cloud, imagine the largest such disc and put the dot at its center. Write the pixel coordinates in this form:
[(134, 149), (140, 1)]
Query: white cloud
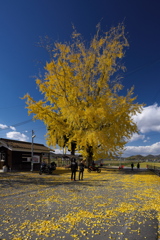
[(60, 151), (136, 137), (147, 139), (17, 136), (149, 119), (13, 128), (153, 149), (2, 126)]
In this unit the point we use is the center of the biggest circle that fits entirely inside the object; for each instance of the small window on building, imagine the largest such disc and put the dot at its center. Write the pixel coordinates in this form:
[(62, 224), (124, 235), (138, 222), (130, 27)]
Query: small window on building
[(2, 156)]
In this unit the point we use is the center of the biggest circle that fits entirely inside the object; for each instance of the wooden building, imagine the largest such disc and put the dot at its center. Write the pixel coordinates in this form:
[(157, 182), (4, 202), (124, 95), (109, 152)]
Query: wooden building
[(63, 160), (16, 155)]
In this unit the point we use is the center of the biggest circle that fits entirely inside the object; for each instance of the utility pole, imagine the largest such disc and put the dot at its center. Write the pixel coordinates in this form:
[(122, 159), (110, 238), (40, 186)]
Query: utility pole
[(33, 136)]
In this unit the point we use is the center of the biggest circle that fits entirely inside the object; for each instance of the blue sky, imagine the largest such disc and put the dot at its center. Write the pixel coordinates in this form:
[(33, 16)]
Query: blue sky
[(23, 22)]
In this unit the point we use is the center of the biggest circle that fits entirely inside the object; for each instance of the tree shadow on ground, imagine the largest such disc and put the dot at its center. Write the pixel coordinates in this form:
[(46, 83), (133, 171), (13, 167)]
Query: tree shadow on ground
[(129, 171), (16, 181)]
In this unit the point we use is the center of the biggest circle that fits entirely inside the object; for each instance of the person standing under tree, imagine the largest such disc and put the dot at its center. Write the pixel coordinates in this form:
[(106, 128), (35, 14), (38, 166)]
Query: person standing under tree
[(132, 166), (81, 170), (74, 167)]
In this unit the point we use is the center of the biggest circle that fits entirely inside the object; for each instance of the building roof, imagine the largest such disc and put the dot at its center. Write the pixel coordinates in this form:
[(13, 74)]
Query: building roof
[(15, 145)]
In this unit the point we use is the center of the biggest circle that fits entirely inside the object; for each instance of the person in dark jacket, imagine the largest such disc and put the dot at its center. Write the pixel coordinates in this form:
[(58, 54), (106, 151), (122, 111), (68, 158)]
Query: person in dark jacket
[(74, 167), (81, 170), (132, 166), (43, 165)]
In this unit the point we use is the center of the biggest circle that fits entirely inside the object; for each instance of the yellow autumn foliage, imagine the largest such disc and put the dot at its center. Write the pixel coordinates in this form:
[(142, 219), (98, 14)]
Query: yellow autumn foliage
[(81, 100)]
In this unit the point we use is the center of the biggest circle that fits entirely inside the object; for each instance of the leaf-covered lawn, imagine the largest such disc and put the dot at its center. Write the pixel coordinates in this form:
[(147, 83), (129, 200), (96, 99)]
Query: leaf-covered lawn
[(109, 205)]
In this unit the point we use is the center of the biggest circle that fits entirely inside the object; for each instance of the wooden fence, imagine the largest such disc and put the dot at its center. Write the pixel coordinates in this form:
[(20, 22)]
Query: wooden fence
[(154, 169)]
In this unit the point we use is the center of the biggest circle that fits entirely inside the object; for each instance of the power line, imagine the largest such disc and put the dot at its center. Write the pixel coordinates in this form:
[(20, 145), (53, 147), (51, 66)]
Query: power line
[(21, 123), (37, 129), (141, 67), (132, 72), (17, 124), (15, 106)]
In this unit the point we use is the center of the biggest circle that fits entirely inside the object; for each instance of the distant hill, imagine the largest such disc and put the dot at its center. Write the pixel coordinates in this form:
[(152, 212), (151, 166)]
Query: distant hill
[(140, 157)]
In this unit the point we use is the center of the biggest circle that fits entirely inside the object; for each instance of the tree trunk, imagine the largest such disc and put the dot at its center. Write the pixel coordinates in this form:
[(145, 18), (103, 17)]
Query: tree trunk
[(73, 147), (90, 156)]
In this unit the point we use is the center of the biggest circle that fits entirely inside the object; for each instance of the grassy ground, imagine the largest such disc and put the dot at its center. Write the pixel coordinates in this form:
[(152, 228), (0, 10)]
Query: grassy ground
[(128, 163), (144, 164), (110, 205)]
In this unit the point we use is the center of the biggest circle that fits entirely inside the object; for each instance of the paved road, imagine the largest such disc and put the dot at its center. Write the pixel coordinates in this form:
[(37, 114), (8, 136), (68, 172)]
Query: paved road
[(102, 206)]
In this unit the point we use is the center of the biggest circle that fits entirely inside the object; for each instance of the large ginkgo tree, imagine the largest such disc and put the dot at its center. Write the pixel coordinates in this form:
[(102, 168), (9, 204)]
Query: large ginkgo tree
[(82, 103)]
